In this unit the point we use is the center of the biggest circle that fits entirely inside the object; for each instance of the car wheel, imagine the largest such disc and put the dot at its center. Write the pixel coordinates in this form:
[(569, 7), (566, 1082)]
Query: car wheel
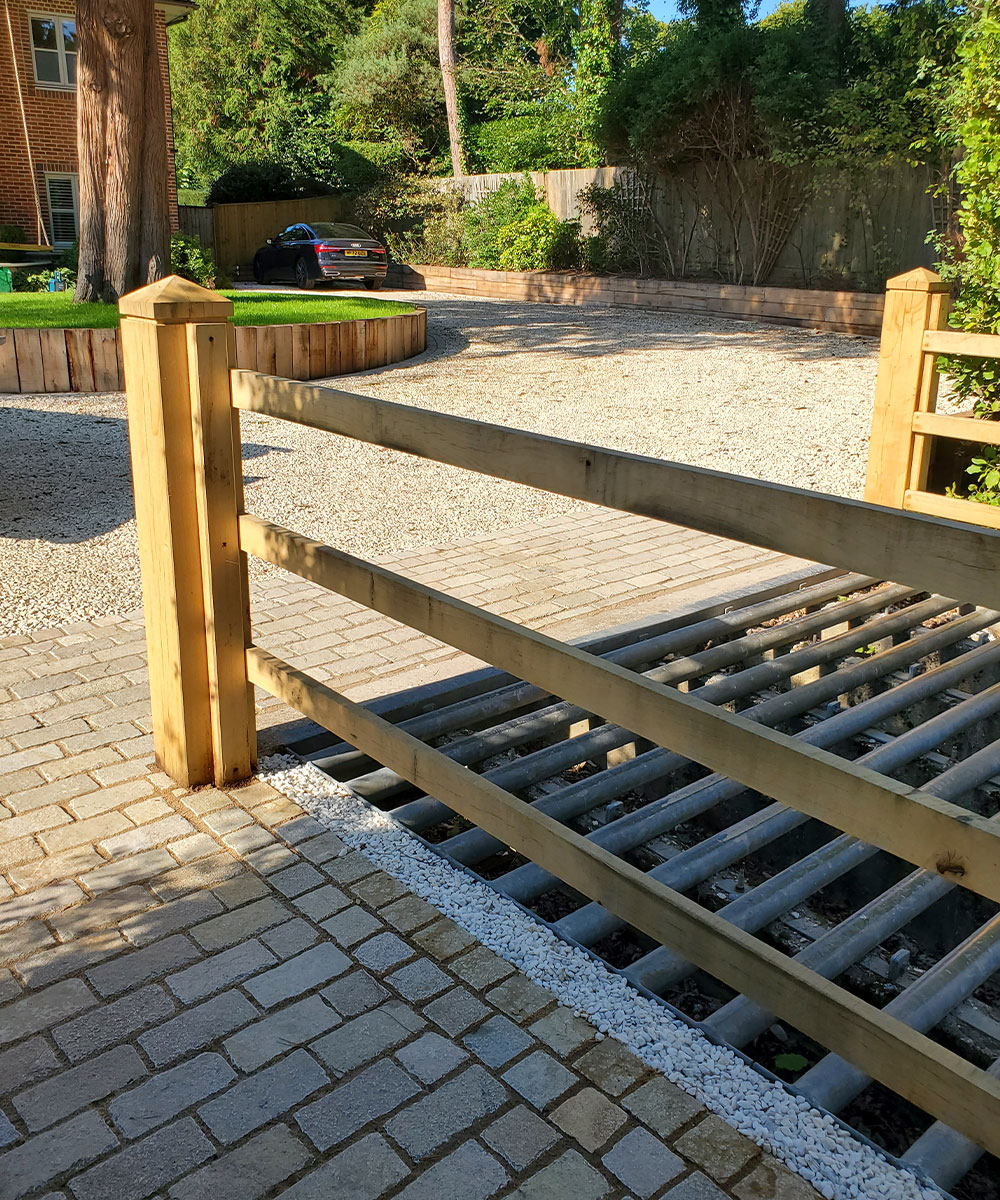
[(302, 277), (373, 285), (258, 271)]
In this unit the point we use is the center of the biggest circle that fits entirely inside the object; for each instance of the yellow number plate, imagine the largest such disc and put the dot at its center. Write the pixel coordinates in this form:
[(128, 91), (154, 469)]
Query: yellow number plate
[(356, 253)]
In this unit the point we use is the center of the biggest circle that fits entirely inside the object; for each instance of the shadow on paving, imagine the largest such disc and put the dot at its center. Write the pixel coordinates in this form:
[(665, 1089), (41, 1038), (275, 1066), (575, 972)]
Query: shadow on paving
[(66, 475)]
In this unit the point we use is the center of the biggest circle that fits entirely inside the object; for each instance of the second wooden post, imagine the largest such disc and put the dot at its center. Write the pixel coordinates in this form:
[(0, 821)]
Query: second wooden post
[(906, 383)]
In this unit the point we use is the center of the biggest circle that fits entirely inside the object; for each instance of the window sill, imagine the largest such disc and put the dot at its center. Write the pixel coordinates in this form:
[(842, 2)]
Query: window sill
[(60, 88)]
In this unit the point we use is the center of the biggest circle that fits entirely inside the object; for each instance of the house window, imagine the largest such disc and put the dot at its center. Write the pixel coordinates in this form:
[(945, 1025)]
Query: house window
[(53, 45), (63, 208)]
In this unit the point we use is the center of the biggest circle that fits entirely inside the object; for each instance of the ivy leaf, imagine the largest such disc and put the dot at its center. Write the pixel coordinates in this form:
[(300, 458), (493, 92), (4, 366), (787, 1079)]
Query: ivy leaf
[(791, 1062)]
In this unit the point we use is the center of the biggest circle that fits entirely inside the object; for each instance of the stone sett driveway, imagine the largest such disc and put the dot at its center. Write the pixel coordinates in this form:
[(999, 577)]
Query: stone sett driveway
[(203, 994)]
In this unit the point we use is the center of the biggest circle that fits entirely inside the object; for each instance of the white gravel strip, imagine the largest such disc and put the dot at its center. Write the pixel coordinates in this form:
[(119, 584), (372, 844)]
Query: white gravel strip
[(810, 1142), (780, 404)]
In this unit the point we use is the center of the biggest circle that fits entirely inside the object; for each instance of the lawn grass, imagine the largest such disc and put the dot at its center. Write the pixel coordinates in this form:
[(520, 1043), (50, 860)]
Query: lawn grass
[(56, 310)]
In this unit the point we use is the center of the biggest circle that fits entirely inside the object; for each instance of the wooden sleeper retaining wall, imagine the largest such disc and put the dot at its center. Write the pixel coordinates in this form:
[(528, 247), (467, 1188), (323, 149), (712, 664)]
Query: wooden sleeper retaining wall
[(89, 360), (841, 312)]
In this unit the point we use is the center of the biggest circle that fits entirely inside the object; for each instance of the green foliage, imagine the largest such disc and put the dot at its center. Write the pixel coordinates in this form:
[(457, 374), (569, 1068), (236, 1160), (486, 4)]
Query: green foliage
[(795, 1063), (192, 197), (244, 73), (37, 279), (597, 60), (247, 181), (625, 238), (388, 83), (191, 260), (12, 233), (984, 486), (972, 259), (876, 102), (971, 255), (491, 222), (538, 241), (543, 140), (509, 229)]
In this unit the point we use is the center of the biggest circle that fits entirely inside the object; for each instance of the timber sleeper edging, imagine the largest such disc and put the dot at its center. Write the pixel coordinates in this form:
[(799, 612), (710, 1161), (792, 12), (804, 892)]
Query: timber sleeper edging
[(34, 361)]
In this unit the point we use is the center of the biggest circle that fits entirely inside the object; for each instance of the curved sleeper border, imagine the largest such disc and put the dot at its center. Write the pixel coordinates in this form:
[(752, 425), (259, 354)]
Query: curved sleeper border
[(90, 360), (838, 1163)]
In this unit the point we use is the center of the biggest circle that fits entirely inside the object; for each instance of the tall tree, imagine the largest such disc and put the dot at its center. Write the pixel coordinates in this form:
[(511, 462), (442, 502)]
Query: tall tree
[(446, 53), (122, 149)]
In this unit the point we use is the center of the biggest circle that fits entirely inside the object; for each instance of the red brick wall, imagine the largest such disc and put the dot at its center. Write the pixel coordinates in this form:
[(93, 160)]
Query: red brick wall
[(51, 118)]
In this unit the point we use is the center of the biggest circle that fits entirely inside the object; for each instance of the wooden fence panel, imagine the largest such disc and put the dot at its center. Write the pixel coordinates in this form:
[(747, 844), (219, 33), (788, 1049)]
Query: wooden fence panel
[(348, 348), (196, 221), (246, 347), (28, 345), (107, 366), (80, 356), (300, 351), (317, 352), (266, 357), (332, 334), (55, 364), (9, 379), (241, 229), (283, 349), (360, 339)]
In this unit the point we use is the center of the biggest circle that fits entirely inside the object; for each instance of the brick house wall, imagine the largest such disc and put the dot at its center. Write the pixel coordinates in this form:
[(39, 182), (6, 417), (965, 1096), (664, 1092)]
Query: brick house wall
[(50, 111)]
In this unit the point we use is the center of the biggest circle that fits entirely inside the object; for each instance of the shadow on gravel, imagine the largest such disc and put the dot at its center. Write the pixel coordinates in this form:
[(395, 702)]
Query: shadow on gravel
[(66, 476), (501, 327)]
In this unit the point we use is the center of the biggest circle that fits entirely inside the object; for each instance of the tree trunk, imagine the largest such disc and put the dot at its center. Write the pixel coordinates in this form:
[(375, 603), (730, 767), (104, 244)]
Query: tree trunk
[(122, 149), (446, 53)]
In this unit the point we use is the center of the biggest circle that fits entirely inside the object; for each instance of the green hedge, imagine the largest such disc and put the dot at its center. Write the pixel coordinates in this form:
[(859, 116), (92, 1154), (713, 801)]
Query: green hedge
[(534, 142)]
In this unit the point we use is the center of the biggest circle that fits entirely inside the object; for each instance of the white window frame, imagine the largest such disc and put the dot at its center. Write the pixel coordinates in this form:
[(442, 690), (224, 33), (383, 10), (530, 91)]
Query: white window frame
[(74, 183), (64, 84)]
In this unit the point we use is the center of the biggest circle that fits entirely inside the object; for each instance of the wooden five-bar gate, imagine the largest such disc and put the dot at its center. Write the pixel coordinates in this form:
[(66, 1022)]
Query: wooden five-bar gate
[(905, 420), (184, 399)]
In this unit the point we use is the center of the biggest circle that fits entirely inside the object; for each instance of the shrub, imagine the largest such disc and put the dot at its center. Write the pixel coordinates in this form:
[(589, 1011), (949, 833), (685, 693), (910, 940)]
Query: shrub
[(627, 237), (508, 229), (12, 233), (190, 260), (249, 181), (27, 280), (539, 241), (500, 228)]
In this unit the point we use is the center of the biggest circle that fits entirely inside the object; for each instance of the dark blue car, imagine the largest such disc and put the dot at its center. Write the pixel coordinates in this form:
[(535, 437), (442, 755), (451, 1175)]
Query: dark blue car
[(322, 250)]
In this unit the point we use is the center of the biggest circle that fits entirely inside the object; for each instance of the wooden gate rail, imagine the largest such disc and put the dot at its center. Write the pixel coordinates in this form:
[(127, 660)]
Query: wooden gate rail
[(926, 552), (905, 420), (914, 825), (194, 535)]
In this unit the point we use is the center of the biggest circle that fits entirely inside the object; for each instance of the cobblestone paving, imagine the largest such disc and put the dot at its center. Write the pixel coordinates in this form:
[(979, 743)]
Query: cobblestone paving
[(203, 994), (568, 575)]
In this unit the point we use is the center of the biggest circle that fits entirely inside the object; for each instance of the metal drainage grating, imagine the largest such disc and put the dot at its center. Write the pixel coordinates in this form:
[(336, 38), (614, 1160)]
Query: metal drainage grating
[(907, 683)]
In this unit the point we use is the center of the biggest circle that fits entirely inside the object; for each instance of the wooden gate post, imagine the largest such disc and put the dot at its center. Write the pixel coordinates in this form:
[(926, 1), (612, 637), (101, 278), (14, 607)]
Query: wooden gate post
[(906, 383), (178, 346)]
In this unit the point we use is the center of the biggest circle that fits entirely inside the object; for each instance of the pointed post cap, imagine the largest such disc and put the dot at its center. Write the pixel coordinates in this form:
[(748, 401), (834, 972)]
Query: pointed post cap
[(920, 279), (173, 300)]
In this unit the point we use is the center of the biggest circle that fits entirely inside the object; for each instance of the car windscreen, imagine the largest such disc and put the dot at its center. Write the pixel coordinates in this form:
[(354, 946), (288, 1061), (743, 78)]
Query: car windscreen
[(333, 229)]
